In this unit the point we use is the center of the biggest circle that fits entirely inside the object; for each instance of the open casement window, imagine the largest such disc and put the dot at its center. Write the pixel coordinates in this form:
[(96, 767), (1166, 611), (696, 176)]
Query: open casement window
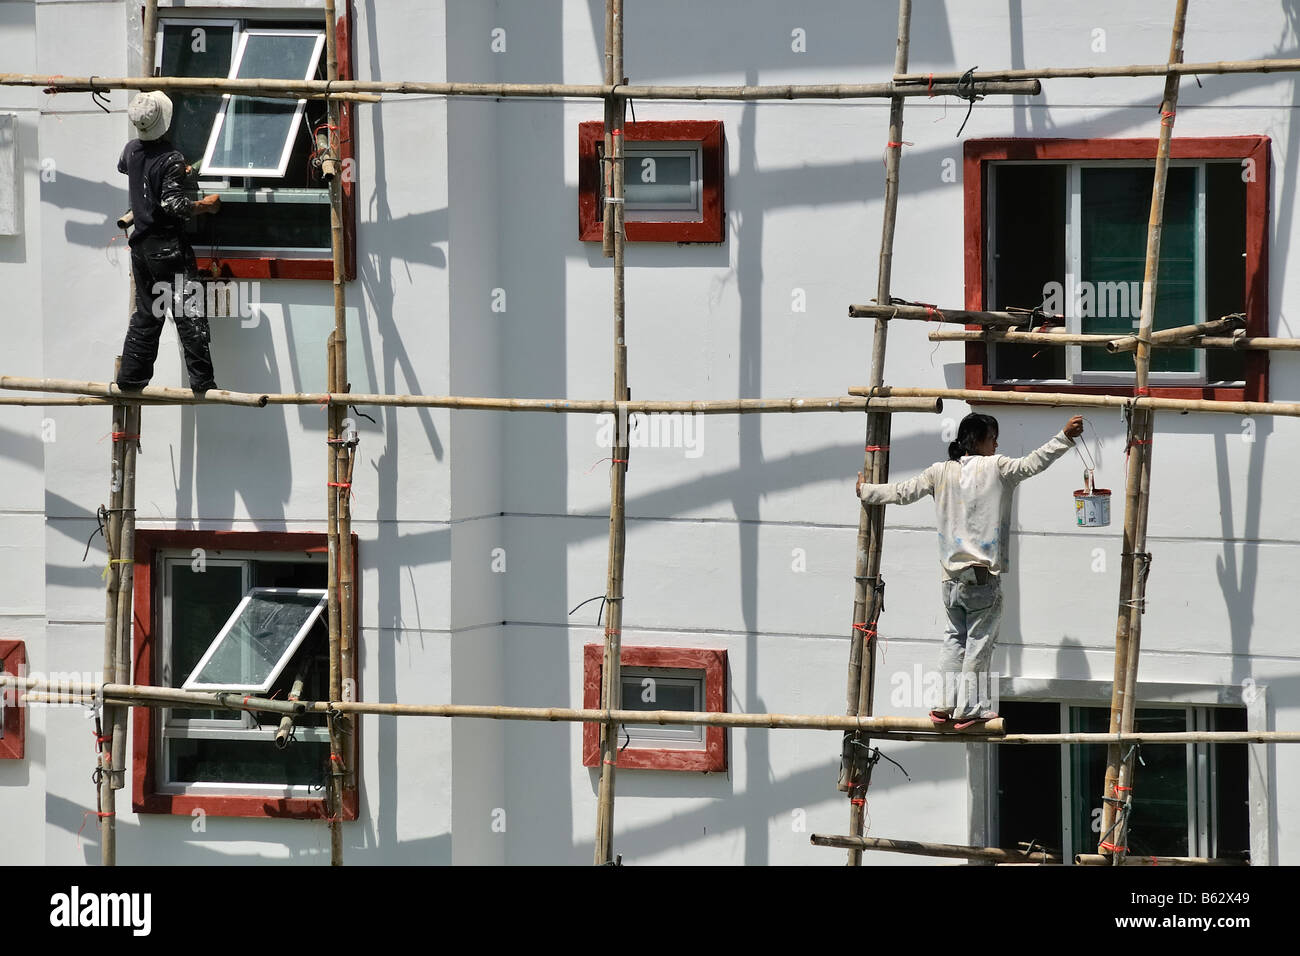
[(259, 639), (239, 611), (258, 153), (1061, 225), (661, 678), (1189, 799)]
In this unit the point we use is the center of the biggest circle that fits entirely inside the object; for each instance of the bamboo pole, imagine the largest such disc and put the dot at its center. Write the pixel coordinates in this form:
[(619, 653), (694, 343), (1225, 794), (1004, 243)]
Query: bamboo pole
[(1097, 859), (148, 41), (855, 770), (125, 590), (1069, 399), (1236, 341), (611, 694), (1118, 788), (166, 395), (317, 89), (106, 801), (336, 496), (1180, 336), (286, 722), (929, 313), (1112, 72), (948, 850)]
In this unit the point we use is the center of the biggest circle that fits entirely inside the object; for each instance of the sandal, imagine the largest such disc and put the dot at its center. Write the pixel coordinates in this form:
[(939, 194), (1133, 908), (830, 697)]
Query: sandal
[(940, 715), (971, 721)]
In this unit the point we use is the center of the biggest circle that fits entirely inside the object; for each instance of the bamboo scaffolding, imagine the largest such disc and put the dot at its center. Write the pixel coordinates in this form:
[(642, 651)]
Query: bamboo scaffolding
[(168, 395), (1117, 792), (611, 691), (1069, 399), (1209, 68), (929, 313), (317, 89), (338, 482), (1182, 336), (855, 766), (948, 850), (1236, 341), (106, 800), (1097, 859)]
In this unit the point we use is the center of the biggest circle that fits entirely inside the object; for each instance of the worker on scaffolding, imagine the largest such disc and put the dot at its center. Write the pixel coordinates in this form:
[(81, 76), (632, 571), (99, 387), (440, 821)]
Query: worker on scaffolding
[(162, 260), (972, 496)]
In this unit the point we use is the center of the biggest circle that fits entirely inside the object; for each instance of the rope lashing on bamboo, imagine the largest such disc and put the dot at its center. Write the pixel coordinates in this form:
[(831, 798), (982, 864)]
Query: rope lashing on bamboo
[(876, 448), (967, 83)]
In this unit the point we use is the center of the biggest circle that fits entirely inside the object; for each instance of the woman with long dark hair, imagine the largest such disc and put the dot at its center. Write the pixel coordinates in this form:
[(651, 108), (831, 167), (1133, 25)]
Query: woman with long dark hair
[(972, 498)]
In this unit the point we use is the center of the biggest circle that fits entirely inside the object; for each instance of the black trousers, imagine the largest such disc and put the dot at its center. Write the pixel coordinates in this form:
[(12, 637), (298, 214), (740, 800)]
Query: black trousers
[(166, 284)]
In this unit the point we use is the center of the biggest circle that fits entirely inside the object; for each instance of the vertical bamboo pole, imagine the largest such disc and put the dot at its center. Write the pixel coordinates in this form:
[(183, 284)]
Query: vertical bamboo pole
[(1118, 787), (871, 520), (611, 690), (125, 594), (148, 43), (105, 797), (336, 359)]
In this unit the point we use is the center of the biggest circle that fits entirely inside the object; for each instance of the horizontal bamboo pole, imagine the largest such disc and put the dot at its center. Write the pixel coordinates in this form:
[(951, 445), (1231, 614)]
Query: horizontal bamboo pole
[(1091, 338), (319, 88), (1097, 72), (1101, 859), (924, 313), (949, 850), (51, 401), (1181, 335), (162, 394), (1069, 400)]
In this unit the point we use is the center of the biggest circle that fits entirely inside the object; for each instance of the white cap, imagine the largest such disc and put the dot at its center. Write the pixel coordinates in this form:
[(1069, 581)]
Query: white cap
[(151, 114)]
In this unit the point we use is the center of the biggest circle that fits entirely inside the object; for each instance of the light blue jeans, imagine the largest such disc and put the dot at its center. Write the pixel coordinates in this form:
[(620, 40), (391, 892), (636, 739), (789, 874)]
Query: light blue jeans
[(974, 618)]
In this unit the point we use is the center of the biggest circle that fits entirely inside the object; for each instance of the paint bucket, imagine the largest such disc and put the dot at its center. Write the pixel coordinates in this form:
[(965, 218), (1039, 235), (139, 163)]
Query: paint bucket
[(1091, 505)]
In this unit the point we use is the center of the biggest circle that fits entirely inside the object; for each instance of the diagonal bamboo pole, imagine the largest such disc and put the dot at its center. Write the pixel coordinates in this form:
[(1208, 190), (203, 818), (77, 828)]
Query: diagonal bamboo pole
[(1117, 792), (855, 773), (611, 692)]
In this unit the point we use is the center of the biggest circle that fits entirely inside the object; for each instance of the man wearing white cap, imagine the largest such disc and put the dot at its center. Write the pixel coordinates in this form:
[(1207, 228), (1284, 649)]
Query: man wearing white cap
[(162, 260)]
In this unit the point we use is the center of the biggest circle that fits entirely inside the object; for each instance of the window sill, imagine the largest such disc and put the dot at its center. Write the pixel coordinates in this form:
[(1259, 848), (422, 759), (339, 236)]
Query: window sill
[(272, 267), (291, 808)]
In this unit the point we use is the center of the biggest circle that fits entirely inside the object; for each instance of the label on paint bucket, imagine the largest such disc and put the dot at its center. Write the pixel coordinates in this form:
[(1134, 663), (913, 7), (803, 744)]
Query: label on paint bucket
[(1092, 507)]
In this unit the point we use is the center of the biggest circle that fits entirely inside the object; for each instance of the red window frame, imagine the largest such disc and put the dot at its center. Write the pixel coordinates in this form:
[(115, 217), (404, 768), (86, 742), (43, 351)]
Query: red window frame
[(712, 227), (257, 266), (980, 152), (145, 796), (712, 662), (13, 660)]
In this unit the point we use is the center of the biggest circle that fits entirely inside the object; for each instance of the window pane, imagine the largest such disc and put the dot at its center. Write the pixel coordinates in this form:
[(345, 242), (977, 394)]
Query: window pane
[(259, 638), (1028, 254), (1029, 779), (1116, 205), (201, 603), (195, 50), (658, 180), (1158, 825), (1225, 261), (255, 130), (247, 761), (1230, 788), (668, 690)]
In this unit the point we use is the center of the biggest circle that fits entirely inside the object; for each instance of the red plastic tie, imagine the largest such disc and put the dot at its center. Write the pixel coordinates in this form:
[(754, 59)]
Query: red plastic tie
[(616, 132), (1118, 788), (892, 145), (608, 632), (877, 448), (1166, 115), (1142, 391), (335, 758), (124, 436), (929, 85), (618, 461), (1113, 848), (1140, 441), (858, 801)]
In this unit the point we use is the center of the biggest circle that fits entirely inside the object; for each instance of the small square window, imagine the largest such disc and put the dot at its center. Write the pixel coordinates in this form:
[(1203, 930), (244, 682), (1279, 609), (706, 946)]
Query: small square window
[(661, 678), (673, 183), (13, 716)]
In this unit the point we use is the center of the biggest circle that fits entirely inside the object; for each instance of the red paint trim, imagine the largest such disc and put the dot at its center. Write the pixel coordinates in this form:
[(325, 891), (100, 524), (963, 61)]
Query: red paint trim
[(13, 660), (980, 152), (709, 133), (322, 269), (713, 662), (145, 797)]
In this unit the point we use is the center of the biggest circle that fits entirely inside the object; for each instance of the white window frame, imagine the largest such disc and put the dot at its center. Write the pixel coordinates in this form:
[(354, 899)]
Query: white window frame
[(219, 122), (243, 726), (692, 211), (1075, 374), (664, 736), (1201, 700), (301, 635)]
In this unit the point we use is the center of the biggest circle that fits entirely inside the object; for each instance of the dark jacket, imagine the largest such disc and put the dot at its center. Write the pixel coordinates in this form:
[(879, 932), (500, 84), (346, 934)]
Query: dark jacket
[(159, 200)]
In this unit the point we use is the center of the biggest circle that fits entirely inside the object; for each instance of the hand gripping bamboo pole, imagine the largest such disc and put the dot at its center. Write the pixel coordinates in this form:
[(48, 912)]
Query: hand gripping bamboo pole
[(855, 770), (611, 695), (1117, 794)]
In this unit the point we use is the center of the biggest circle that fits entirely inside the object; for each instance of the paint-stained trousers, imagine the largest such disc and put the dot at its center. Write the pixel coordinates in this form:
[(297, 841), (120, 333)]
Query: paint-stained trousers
[(161, 268), (974, 618)]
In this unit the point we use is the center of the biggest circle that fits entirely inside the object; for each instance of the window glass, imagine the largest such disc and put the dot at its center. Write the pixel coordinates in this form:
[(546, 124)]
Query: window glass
[(200, 604), (649, 688), (258, 639), (247, 761), (195, 49)]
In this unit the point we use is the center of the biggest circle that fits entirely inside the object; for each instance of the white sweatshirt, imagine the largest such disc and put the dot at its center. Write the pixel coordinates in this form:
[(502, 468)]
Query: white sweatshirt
[(972, 501)]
